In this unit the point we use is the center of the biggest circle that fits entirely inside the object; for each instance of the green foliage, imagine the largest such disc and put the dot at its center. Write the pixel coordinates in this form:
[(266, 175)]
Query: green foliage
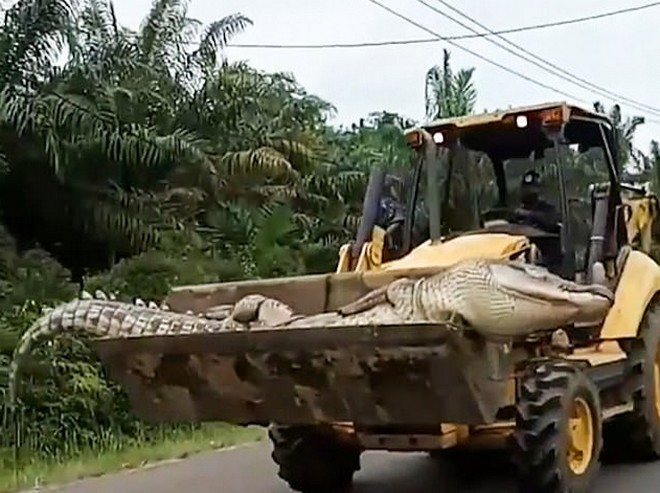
[(624, 132), (149, 161), (447, 93), (152, 274), (66, 400)]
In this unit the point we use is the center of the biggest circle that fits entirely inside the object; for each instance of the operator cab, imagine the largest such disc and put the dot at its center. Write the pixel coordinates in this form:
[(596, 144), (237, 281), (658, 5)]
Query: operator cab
[(480, 165)]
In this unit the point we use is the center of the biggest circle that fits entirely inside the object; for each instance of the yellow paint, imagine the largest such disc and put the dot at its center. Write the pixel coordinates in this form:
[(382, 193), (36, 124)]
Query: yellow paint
[(554, 113), (581, 437), (344, 264), (371, 254), (452, 434), (449, 439), (613, 411), (344, 427), (474, 246), (557, 110), (599, 354), (643, 213), (504, 427), (511, 390), (345, 432), (463, 432), (639, 282), (492, 436), (406, 442)]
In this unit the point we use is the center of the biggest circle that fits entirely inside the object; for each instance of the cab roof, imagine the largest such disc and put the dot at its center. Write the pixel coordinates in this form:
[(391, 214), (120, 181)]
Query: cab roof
[(557, 111), (498, 132)]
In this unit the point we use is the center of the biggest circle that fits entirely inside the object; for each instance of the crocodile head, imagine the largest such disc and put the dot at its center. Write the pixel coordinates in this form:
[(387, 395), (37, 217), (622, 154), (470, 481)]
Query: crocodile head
[(517, 299)]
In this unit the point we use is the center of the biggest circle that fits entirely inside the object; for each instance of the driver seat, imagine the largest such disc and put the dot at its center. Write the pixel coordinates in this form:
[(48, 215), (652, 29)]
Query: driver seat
[(501, 220)]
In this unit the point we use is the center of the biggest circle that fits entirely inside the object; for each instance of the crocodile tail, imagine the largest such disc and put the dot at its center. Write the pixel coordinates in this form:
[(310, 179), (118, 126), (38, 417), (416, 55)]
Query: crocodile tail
[(73, 316), (101, 318)]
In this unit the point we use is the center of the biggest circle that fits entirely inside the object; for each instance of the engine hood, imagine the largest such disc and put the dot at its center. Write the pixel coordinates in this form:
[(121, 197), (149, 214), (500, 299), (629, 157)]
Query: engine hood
[(468, 247)]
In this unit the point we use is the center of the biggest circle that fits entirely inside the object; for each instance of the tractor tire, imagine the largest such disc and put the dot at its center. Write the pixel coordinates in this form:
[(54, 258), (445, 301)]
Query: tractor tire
[(558, 407), (312, 460), (635, 436)]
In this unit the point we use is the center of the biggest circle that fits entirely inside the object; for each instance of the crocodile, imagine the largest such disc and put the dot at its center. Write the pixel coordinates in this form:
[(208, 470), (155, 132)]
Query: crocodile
[(499, 299)]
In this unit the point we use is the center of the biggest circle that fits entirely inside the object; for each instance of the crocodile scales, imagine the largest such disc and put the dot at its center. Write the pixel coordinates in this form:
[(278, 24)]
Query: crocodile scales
[(500, 299)]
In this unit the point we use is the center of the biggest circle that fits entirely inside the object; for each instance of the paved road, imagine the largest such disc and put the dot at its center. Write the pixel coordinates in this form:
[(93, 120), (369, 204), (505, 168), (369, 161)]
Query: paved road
[(248, 469)]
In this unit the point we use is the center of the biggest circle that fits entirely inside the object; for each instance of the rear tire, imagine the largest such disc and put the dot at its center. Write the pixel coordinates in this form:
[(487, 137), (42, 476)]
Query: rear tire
[(555, 450), (636, 435), (312, 460)]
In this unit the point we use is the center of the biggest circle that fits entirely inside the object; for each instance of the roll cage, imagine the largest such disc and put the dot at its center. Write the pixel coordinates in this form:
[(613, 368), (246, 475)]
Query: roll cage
[(519, 133)]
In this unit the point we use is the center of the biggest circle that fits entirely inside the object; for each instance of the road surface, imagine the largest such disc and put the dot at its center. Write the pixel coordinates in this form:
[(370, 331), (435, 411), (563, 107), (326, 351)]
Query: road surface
[(249, 469)]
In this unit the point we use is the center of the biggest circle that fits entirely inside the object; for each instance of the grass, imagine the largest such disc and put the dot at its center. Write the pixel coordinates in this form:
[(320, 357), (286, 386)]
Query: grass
[(116, 455)]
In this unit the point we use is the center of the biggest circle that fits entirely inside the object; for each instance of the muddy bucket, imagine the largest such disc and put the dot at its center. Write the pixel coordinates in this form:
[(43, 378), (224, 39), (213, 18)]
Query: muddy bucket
[(374, 376)]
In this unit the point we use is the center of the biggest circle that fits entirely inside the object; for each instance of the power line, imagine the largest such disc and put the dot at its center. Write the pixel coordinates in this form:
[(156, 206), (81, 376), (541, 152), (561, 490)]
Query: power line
[(581, 82), (370, 44), (474, 53), (481, 57)]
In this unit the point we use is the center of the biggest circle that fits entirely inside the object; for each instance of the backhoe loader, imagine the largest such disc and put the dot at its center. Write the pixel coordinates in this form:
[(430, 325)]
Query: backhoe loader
[(500, 333)]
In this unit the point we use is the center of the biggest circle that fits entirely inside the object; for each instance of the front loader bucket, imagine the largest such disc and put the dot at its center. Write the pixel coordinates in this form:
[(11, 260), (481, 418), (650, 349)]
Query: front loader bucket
[(375, 376)]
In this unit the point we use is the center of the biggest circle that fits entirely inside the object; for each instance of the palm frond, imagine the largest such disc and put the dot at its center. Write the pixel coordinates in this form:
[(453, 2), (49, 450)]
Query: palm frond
[(264, 161), (302, 157), (216, 36), (465, 94), (33, 33)]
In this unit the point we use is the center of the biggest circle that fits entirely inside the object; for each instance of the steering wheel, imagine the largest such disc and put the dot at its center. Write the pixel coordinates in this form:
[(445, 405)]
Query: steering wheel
[(498, 213), (520, 213)]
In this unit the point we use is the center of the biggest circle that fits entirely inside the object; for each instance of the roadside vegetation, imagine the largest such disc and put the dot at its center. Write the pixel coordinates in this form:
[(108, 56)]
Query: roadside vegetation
[(146, 161)]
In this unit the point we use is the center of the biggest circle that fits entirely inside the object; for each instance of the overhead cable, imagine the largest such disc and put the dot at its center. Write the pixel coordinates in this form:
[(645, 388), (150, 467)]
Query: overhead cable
[(370, 44), (474, 53), (482, 57), (563, 74)]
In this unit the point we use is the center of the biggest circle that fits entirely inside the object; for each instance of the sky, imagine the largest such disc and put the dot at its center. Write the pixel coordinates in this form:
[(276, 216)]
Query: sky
[(616, 53)]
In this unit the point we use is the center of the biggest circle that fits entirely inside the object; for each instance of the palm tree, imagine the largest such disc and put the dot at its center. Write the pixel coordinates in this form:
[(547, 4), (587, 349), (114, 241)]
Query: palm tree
[(624, 131), (449, 94), (138, 122)]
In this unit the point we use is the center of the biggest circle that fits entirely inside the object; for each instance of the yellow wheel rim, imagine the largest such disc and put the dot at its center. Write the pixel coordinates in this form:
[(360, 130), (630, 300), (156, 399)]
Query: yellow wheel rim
[(580, 436), (657, 380)]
